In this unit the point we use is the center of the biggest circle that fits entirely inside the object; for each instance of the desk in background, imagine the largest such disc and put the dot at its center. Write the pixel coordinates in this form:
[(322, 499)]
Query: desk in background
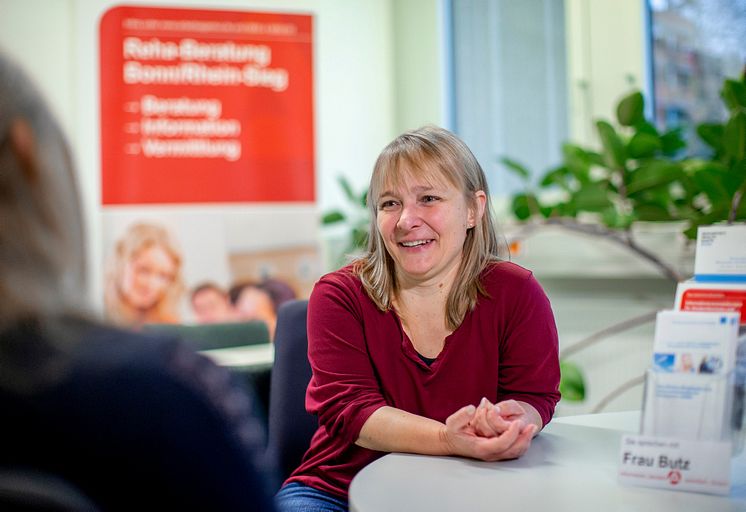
[(252, 362), (570, 466), (245, 358)]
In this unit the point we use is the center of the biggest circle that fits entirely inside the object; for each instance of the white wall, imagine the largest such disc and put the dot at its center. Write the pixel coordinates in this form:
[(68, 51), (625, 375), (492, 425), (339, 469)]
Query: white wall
[(419, 63), (43, 44)]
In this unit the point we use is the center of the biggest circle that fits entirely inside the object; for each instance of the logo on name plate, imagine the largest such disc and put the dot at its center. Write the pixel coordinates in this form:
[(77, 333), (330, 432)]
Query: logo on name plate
[(674, 477)]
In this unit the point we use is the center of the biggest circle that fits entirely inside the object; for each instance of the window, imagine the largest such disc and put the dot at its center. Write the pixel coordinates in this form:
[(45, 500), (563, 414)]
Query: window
[(696, 44), (509, 82)]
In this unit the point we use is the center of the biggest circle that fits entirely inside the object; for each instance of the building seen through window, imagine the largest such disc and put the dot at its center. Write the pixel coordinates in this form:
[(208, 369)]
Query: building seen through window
[(695, 45)]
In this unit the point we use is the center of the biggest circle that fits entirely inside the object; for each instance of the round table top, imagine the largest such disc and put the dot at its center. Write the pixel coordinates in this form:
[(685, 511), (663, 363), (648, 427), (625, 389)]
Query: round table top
[(571, 465)]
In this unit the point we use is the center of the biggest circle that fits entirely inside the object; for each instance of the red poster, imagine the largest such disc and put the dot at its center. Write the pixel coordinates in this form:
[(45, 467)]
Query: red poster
[(206, 106)]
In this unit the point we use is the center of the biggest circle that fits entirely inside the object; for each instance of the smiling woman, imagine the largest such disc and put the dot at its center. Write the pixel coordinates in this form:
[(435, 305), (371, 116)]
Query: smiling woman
[(143, 282), (429, 343), (419, 224), (441, 168)]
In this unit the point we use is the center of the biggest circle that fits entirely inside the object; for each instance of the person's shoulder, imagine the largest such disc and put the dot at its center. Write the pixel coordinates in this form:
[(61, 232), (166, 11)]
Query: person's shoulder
[(342, 288), (164, 370), (125, 358), (116, 346), (155, 355), (502, 272), (504, 278), (345, 275), (345, 280)]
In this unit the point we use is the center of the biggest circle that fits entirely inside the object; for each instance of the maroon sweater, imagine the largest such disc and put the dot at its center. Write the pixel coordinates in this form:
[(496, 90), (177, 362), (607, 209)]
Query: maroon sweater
[(362, 360)]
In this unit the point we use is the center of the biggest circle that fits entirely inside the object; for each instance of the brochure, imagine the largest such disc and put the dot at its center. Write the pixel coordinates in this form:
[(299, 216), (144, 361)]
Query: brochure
[(721, 253), (689, 388), (695, 342), (699, 296)]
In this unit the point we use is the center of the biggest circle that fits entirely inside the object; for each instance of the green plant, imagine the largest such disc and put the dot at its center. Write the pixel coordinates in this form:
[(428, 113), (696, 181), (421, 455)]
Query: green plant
[(640, 174), (355, 218)]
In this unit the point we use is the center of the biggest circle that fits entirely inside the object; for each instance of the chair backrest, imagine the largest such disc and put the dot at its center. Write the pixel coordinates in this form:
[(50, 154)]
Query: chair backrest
[(290, 425), (212, 336), (23, 490)]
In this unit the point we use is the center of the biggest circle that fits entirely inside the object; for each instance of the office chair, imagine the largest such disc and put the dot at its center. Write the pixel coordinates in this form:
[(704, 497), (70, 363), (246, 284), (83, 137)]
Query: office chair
[(290, 425), (24, 490)]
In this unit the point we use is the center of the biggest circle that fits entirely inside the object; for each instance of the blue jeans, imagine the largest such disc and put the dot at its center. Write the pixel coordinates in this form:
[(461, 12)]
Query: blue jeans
[(296, 497)]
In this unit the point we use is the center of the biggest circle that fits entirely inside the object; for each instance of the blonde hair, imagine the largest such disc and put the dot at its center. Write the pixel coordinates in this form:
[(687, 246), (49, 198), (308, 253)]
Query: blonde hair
[(42, 244), (139, 237), (430, 153)]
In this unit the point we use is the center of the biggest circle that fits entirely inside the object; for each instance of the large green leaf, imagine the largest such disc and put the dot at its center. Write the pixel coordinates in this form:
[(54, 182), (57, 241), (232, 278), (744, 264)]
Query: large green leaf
[(577, 162), (734, 137), (567, 208), (659, 196), (522, 206), (558, 177), (652, 212), (685, 211), (516, 168), (593, 197), (646, 127), (595, 158), (572, 383), (547, 211), (643, 145), (672, 141), (333, 217), (735, 177), (614, 219), (347, 188), (712, 135), (629, 111), (653, 174), (734, 94), (363, 201), (710, 180), (610, 217), (614, 153), (580, 153), (693, 166), (689, 186)]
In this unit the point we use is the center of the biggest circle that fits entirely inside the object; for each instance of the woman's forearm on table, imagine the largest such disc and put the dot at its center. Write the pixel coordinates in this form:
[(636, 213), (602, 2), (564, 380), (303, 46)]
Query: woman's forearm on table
[(392, 430)]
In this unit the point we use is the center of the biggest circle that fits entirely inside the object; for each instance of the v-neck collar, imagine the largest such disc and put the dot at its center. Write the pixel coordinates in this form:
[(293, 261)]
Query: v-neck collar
[(407, 347)]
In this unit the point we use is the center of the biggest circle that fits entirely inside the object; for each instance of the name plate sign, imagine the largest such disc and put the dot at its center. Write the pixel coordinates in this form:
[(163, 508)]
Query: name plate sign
[(675, 464)]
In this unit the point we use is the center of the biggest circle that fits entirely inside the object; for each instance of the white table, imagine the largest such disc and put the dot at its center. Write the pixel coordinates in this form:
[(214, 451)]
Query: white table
[(248, 357), (570, 466)]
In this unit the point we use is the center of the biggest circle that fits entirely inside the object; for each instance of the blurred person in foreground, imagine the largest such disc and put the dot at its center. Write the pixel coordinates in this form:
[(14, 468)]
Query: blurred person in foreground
[(131, 421), (429, 343)]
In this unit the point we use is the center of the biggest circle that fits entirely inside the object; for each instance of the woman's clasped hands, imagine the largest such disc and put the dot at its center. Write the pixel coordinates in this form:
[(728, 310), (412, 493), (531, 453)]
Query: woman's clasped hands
[(489, 432)]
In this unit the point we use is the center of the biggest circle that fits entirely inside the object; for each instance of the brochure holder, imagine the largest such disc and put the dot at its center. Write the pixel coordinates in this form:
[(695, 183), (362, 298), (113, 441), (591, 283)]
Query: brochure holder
[(690, 407), (691, 425)]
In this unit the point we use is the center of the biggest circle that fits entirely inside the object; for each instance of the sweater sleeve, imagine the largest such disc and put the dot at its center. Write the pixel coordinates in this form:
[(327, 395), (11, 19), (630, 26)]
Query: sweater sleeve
[(344, 390), (529, 361)]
